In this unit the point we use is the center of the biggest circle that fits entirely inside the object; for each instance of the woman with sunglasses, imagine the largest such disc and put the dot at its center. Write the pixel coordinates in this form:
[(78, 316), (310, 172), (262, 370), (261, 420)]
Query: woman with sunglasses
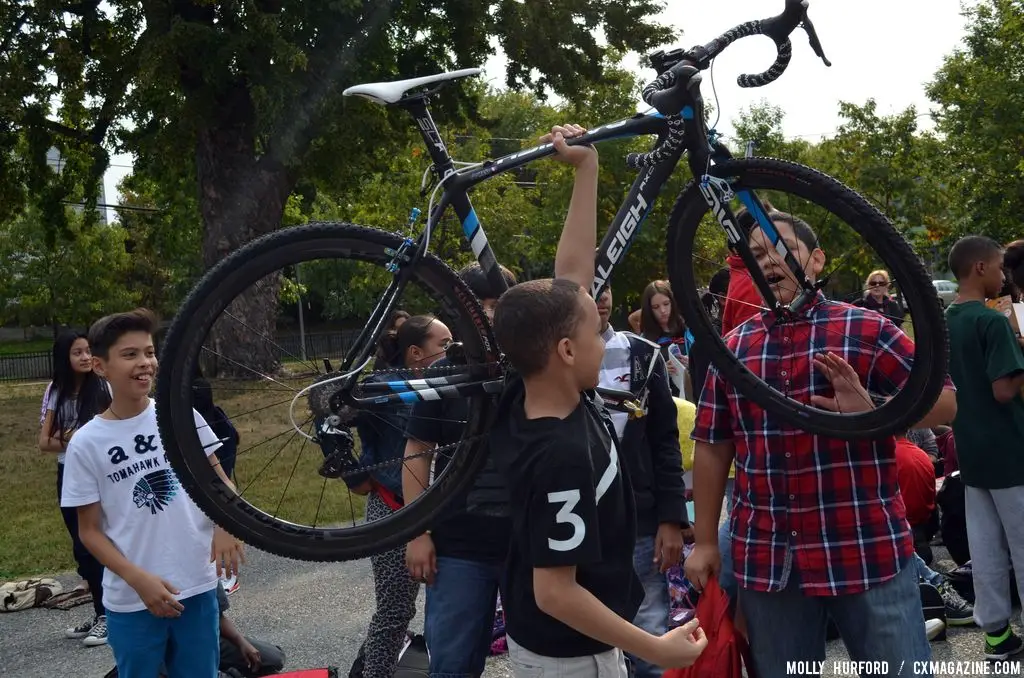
[(876, 298)]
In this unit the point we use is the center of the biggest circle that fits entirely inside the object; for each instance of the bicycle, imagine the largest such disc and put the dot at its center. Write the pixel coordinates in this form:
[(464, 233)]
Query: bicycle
[(677, 120)]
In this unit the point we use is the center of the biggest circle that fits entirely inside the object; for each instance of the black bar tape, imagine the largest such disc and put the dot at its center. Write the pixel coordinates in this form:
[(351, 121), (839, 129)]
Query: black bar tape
[(773, 73), (663, 81), (673, 142)]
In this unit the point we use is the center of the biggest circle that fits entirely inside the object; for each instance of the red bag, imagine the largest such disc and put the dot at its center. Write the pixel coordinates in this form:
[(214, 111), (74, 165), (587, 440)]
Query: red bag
[(727, 652)]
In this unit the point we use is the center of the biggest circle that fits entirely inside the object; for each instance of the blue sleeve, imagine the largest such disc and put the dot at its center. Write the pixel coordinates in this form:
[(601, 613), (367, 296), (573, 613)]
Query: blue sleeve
[(369, 441)]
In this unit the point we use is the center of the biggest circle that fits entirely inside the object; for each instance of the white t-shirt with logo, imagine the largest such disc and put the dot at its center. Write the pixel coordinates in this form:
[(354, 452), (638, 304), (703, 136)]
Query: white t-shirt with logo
[(147, 514)]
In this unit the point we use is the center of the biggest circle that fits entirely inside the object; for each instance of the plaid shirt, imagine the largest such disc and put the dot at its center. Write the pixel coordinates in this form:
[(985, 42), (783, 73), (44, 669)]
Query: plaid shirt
[(829, 507)]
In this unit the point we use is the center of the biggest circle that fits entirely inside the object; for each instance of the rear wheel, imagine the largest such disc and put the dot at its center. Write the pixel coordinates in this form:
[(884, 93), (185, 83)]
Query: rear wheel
[(859, 239), (283, 504)]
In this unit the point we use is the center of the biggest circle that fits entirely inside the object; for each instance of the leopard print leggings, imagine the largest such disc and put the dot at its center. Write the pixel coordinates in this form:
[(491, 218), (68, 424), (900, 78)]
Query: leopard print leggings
[(396, 602)]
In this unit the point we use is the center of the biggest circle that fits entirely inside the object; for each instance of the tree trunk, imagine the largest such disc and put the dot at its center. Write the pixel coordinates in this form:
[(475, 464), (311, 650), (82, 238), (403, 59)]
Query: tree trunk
[(241, 198)]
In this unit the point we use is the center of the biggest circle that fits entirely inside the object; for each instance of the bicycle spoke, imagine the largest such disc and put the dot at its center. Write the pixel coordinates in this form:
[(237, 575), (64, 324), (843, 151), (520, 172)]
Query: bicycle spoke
[(298, 456), (249, 369), (273, 343), (320, 501), (274, 458)]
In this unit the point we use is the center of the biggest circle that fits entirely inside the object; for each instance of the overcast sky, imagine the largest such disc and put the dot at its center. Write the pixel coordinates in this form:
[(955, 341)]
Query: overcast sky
[(885, 49)]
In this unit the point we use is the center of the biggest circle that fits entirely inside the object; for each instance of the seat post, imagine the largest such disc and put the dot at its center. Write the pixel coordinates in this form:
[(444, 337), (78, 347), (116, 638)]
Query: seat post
[(417, 106)]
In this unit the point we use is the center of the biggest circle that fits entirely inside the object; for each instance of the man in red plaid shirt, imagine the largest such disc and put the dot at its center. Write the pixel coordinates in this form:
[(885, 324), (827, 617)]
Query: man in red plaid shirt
[(819, 528)]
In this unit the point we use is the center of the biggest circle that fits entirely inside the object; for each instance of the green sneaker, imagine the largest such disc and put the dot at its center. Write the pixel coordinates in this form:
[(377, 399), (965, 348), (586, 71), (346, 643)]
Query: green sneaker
[(1003, 646)]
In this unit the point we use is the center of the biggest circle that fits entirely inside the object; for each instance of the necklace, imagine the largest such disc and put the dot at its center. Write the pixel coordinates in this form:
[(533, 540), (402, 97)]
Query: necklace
[(117, 416)]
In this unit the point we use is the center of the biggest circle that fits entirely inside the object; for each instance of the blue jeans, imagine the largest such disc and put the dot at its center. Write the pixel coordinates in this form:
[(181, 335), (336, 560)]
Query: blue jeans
[(925, 573), (459, 617), (189, 645), (653, 613), (883, 624)]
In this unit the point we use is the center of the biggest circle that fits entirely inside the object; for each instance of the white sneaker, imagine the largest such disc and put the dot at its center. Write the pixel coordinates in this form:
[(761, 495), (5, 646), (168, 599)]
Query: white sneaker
[(933, 628), (230, 584), (98, 635)]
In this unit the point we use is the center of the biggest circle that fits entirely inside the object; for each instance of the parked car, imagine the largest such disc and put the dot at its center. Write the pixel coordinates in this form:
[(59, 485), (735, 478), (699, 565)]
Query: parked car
[(947, 290)]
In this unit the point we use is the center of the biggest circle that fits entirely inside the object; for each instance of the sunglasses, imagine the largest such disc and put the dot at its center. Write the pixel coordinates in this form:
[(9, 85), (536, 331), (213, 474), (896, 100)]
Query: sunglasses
[(878, 283)]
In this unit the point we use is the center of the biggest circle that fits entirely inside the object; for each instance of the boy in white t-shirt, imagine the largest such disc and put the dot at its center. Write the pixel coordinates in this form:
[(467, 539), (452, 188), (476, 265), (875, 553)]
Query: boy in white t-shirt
[(162, 555)]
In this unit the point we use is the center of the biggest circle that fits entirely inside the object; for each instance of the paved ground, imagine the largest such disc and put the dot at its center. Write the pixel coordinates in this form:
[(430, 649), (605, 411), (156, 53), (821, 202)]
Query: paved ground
[(317, 612)]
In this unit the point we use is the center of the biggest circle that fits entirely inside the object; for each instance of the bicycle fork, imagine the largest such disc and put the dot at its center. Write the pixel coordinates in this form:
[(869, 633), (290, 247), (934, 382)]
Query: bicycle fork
[(717, 194)]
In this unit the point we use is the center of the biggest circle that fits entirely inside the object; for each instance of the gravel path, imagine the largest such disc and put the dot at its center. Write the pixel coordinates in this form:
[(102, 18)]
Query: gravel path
[(316, 612)]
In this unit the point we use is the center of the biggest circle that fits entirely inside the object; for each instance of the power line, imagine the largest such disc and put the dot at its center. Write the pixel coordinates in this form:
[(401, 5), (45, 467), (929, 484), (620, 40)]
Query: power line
[(107, 206)]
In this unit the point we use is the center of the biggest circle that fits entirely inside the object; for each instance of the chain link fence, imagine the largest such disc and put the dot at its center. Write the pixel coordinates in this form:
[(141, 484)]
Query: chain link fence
[(38, 365)]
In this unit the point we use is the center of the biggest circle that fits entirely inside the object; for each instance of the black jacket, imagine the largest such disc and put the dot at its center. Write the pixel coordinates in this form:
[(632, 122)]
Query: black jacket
[(888, 307), (650, 446)]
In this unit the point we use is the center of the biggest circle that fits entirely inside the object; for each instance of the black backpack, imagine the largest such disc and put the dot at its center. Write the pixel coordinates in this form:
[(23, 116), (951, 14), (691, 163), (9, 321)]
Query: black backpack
[(643, 355), (953, 518), (412, 663)]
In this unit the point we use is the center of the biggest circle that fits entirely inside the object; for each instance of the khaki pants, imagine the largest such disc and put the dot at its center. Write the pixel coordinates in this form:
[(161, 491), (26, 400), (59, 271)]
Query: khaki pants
[(526, 664)]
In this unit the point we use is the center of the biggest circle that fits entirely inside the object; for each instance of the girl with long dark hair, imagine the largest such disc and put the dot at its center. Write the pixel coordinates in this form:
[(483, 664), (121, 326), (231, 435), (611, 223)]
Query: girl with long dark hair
[(417, 342), (661, 322), (75, 395)]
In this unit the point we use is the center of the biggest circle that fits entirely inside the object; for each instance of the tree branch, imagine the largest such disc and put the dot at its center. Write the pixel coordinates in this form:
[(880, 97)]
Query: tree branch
[(82, 8), (300, 127), (63, 130), (15, 30)]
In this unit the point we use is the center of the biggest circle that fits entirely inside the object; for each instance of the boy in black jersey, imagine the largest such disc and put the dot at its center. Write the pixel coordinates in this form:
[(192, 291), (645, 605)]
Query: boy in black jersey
[(571, 586)]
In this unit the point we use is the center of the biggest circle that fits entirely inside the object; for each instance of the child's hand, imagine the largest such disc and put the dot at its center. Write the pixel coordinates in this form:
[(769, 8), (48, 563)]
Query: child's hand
[(850, 395), (703, 563), (668, 546), (227, 552), (574, 155), (252, 656), (681, 647), (421, 559), (158, 595)]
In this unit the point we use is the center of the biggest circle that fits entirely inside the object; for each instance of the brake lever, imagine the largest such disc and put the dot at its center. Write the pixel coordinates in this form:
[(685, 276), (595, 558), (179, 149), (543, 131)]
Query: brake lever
[(812, 35)]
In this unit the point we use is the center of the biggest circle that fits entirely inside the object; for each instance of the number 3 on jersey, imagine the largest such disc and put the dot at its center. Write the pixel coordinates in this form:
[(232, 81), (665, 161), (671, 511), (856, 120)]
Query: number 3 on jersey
[(568, 499)]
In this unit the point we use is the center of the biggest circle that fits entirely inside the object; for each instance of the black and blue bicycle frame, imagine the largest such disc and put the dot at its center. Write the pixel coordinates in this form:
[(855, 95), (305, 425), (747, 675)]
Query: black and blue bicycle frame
[(616, 243), (639, 202)]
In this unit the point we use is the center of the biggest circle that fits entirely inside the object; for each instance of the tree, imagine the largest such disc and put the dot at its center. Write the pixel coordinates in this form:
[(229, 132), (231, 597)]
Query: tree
[(163, 242), (71, 279), (762, 124), (980, 89), (249, 93), (901, 170)]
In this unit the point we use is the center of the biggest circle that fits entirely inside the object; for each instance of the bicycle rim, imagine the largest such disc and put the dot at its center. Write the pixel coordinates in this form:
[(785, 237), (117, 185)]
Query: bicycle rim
[(694, 255), (284, 529)]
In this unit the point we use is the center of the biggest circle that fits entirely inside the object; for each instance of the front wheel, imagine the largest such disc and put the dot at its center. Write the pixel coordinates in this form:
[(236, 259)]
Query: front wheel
[(857, 240), (253, 347)]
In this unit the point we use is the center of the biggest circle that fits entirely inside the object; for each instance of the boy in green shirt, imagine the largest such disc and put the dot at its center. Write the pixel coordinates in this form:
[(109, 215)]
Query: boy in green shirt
[(987, 367)]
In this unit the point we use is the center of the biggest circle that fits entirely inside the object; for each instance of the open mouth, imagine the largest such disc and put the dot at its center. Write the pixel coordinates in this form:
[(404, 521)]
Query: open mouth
[(774, 278), (144, 378)]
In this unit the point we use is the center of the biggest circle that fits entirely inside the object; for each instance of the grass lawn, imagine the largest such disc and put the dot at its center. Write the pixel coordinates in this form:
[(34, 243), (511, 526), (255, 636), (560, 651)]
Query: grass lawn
[(276, 469), (33, 346), (278, 476), (33, 539)]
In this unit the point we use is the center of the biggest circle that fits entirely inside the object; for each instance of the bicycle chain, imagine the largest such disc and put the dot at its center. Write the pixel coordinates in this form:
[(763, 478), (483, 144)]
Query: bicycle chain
[(432, 451), (441, 370)]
